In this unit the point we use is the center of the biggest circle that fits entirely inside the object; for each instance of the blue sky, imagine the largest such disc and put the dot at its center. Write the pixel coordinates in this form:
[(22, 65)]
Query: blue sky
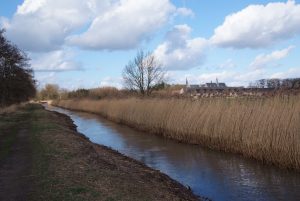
[(77, 43)]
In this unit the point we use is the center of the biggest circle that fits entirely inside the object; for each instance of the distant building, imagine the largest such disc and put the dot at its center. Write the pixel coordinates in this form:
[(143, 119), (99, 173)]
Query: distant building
[(212, 86), (216, 85)]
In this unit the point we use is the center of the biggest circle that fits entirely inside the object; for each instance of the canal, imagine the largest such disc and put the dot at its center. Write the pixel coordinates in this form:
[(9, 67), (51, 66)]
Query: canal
[(213, 174)]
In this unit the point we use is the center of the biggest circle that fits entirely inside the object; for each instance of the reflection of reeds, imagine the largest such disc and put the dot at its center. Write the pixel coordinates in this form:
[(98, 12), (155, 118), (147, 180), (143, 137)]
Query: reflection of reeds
[(265, 129)]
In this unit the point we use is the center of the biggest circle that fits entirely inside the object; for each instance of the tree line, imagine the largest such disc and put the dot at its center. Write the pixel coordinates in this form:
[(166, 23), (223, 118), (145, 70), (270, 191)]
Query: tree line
[(16, 76), (290, 83)]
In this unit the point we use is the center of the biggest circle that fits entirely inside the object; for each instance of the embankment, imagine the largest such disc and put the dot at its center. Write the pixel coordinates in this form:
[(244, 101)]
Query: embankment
[(265, 129), (42, 157)]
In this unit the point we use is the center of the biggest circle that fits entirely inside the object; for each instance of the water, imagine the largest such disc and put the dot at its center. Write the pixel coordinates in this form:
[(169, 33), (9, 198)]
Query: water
[(216, 175)]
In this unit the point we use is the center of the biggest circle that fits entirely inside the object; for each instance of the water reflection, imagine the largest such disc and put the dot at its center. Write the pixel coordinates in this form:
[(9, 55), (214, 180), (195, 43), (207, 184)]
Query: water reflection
[(217, 175)]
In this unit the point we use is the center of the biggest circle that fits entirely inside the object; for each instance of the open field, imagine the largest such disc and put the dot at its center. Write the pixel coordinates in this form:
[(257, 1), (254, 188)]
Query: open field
[(42, 157), (266, 129)]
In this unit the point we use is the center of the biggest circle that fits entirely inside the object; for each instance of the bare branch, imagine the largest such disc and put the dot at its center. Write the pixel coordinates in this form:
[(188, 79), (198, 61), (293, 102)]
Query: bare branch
[(143, 73)]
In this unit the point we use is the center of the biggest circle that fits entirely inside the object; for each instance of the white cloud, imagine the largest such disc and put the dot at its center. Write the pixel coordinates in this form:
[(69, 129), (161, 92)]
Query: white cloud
[(49, 78), (47, 25), (70, 83), (250, 76), (179, 51), (111, 82), (263, 60), (258, 26), (185, 12), (30, 6), (124, 25), (42, 25), (227, 64), (56, 61), (4, 22), (221, 76), (290, 73)]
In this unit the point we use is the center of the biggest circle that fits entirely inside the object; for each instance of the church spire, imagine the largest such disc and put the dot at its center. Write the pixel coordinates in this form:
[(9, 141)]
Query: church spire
[(186, 82)]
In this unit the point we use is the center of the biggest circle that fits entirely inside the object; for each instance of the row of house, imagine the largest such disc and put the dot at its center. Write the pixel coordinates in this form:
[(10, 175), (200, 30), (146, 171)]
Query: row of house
[(202, 88), (217, 89)]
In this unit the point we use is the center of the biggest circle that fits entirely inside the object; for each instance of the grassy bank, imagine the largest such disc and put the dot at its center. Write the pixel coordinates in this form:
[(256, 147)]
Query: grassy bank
[(49, 160), (264, 129)]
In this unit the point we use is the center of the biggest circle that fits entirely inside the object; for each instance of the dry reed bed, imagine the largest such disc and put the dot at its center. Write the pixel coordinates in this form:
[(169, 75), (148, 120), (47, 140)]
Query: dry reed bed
[(264, 129), (11, 108)]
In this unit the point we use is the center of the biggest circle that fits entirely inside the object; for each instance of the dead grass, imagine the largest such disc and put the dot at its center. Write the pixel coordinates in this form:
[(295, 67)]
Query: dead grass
[(265, 129), (11, 109), (103, 92)]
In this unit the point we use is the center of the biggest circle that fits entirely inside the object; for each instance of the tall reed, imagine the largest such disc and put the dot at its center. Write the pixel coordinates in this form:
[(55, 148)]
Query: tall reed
[(264, 129)]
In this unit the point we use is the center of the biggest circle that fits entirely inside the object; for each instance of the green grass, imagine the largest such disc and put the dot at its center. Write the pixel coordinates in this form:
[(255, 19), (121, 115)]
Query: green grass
[(6, 143), (9, 126), (49, 185)]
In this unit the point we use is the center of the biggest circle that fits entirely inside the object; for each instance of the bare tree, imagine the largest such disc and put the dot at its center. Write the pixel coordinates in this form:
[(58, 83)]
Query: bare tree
[(273, 83), (143, 73), (50, 91)]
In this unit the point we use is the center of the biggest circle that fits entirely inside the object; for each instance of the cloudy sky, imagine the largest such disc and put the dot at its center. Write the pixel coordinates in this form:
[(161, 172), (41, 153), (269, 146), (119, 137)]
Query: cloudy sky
[(87, 43)]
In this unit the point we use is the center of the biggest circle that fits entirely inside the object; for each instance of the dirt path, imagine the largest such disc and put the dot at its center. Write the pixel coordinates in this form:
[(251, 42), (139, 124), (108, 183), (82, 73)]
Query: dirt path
[(43, 157), (15, 169)]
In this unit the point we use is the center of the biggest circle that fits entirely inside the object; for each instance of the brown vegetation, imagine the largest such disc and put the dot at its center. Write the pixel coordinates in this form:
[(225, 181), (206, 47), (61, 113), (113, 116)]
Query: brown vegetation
[(266, 129), (50, 91), (11, 108), (166, 91)]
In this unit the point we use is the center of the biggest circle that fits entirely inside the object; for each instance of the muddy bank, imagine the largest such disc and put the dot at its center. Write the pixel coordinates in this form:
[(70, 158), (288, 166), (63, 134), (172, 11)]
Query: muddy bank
[(65, 165)]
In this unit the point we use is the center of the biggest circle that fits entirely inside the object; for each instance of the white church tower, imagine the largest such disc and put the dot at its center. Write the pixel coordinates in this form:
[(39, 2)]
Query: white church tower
[(187, 83)]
